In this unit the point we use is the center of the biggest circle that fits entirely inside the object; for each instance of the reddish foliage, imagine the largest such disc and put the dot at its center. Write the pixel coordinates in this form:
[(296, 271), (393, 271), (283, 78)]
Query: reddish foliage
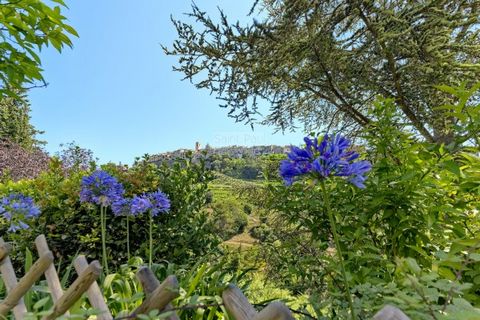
[(19, 163)]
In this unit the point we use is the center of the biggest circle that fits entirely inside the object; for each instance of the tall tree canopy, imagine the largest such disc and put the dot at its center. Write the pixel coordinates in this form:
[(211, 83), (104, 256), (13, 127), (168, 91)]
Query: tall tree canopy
[(322, 62), (27, 26), (15, 123)]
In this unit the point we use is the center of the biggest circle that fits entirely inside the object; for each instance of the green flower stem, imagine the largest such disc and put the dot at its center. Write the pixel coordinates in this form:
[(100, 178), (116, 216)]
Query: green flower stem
[(103, 218), (333, 226), (128, 238), (150, 242)]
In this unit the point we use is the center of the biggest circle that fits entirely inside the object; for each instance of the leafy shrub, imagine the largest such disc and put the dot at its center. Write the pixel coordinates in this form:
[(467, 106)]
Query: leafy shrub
[(261, 232), (420, 197), (71, 227), (229, 218), (446, 291)]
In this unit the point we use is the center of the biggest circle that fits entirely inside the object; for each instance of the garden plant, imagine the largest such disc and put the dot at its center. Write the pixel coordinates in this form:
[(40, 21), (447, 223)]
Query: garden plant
[(378, 205)]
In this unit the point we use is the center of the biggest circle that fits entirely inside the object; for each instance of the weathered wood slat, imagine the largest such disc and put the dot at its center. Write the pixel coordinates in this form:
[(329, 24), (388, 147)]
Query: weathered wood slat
[(240, 308), (5, 249), (78, 287), (94, 293), (25, 283), (10, 280), (149, 283), (160, 297), (390, 313), (275, 311), (148, 280), (51, 275), (237, 304)]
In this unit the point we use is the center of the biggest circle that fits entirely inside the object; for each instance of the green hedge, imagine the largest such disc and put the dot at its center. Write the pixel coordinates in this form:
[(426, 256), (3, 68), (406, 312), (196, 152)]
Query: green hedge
[(71, 227)]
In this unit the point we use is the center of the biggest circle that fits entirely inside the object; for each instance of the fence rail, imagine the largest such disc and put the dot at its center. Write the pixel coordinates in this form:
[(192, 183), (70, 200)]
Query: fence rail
[(158, 296)]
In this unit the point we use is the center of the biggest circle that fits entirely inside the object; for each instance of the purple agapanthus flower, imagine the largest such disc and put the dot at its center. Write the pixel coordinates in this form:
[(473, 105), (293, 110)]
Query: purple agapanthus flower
[(15, 208), (122, 207), (160, 202), (101, 188), (155, 202), (140, 204), (331, 157)]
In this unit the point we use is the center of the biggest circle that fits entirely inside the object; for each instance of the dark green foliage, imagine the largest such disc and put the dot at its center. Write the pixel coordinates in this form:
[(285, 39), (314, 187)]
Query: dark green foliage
[(324, 62), (229, 218), (270, 165), (27, 26), (209, 197), (187, 232), (15, 124), (299, 234), (249, 172), (247, 168), (247, 209), (261, 232)]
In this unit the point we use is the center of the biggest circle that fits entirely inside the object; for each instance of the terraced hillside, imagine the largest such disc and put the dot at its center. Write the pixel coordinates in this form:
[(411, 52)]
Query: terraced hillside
[(226, 189)]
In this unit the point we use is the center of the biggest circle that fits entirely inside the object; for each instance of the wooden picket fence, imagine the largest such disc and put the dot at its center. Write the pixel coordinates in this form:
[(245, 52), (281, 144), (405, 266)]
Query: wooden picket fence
[(158, 296)]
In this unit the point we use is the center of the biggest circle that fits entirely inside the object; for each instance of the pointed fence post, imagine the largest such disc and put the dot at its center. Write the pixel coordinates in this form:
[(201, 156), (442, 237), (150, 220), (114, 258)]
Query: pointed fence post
[(94, 293), (160, 297), (237, 304), (149, 283), (51, 275), (10, 280)]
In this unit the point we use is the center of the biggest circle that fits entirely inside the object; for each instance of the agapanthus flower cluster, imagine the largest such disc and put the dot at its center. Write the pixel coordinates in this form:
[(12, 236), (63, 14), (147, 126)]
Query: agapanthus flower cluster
[(16, 208), (101, 188), (122, 207), (155, 202), (332, 156), (140, 204), (160, 202)]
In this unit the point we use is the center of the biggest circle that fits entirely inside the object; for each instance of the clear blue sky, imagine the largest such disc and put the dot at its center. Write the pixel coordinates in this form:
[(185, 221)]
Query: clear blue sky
[(116, 94)]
